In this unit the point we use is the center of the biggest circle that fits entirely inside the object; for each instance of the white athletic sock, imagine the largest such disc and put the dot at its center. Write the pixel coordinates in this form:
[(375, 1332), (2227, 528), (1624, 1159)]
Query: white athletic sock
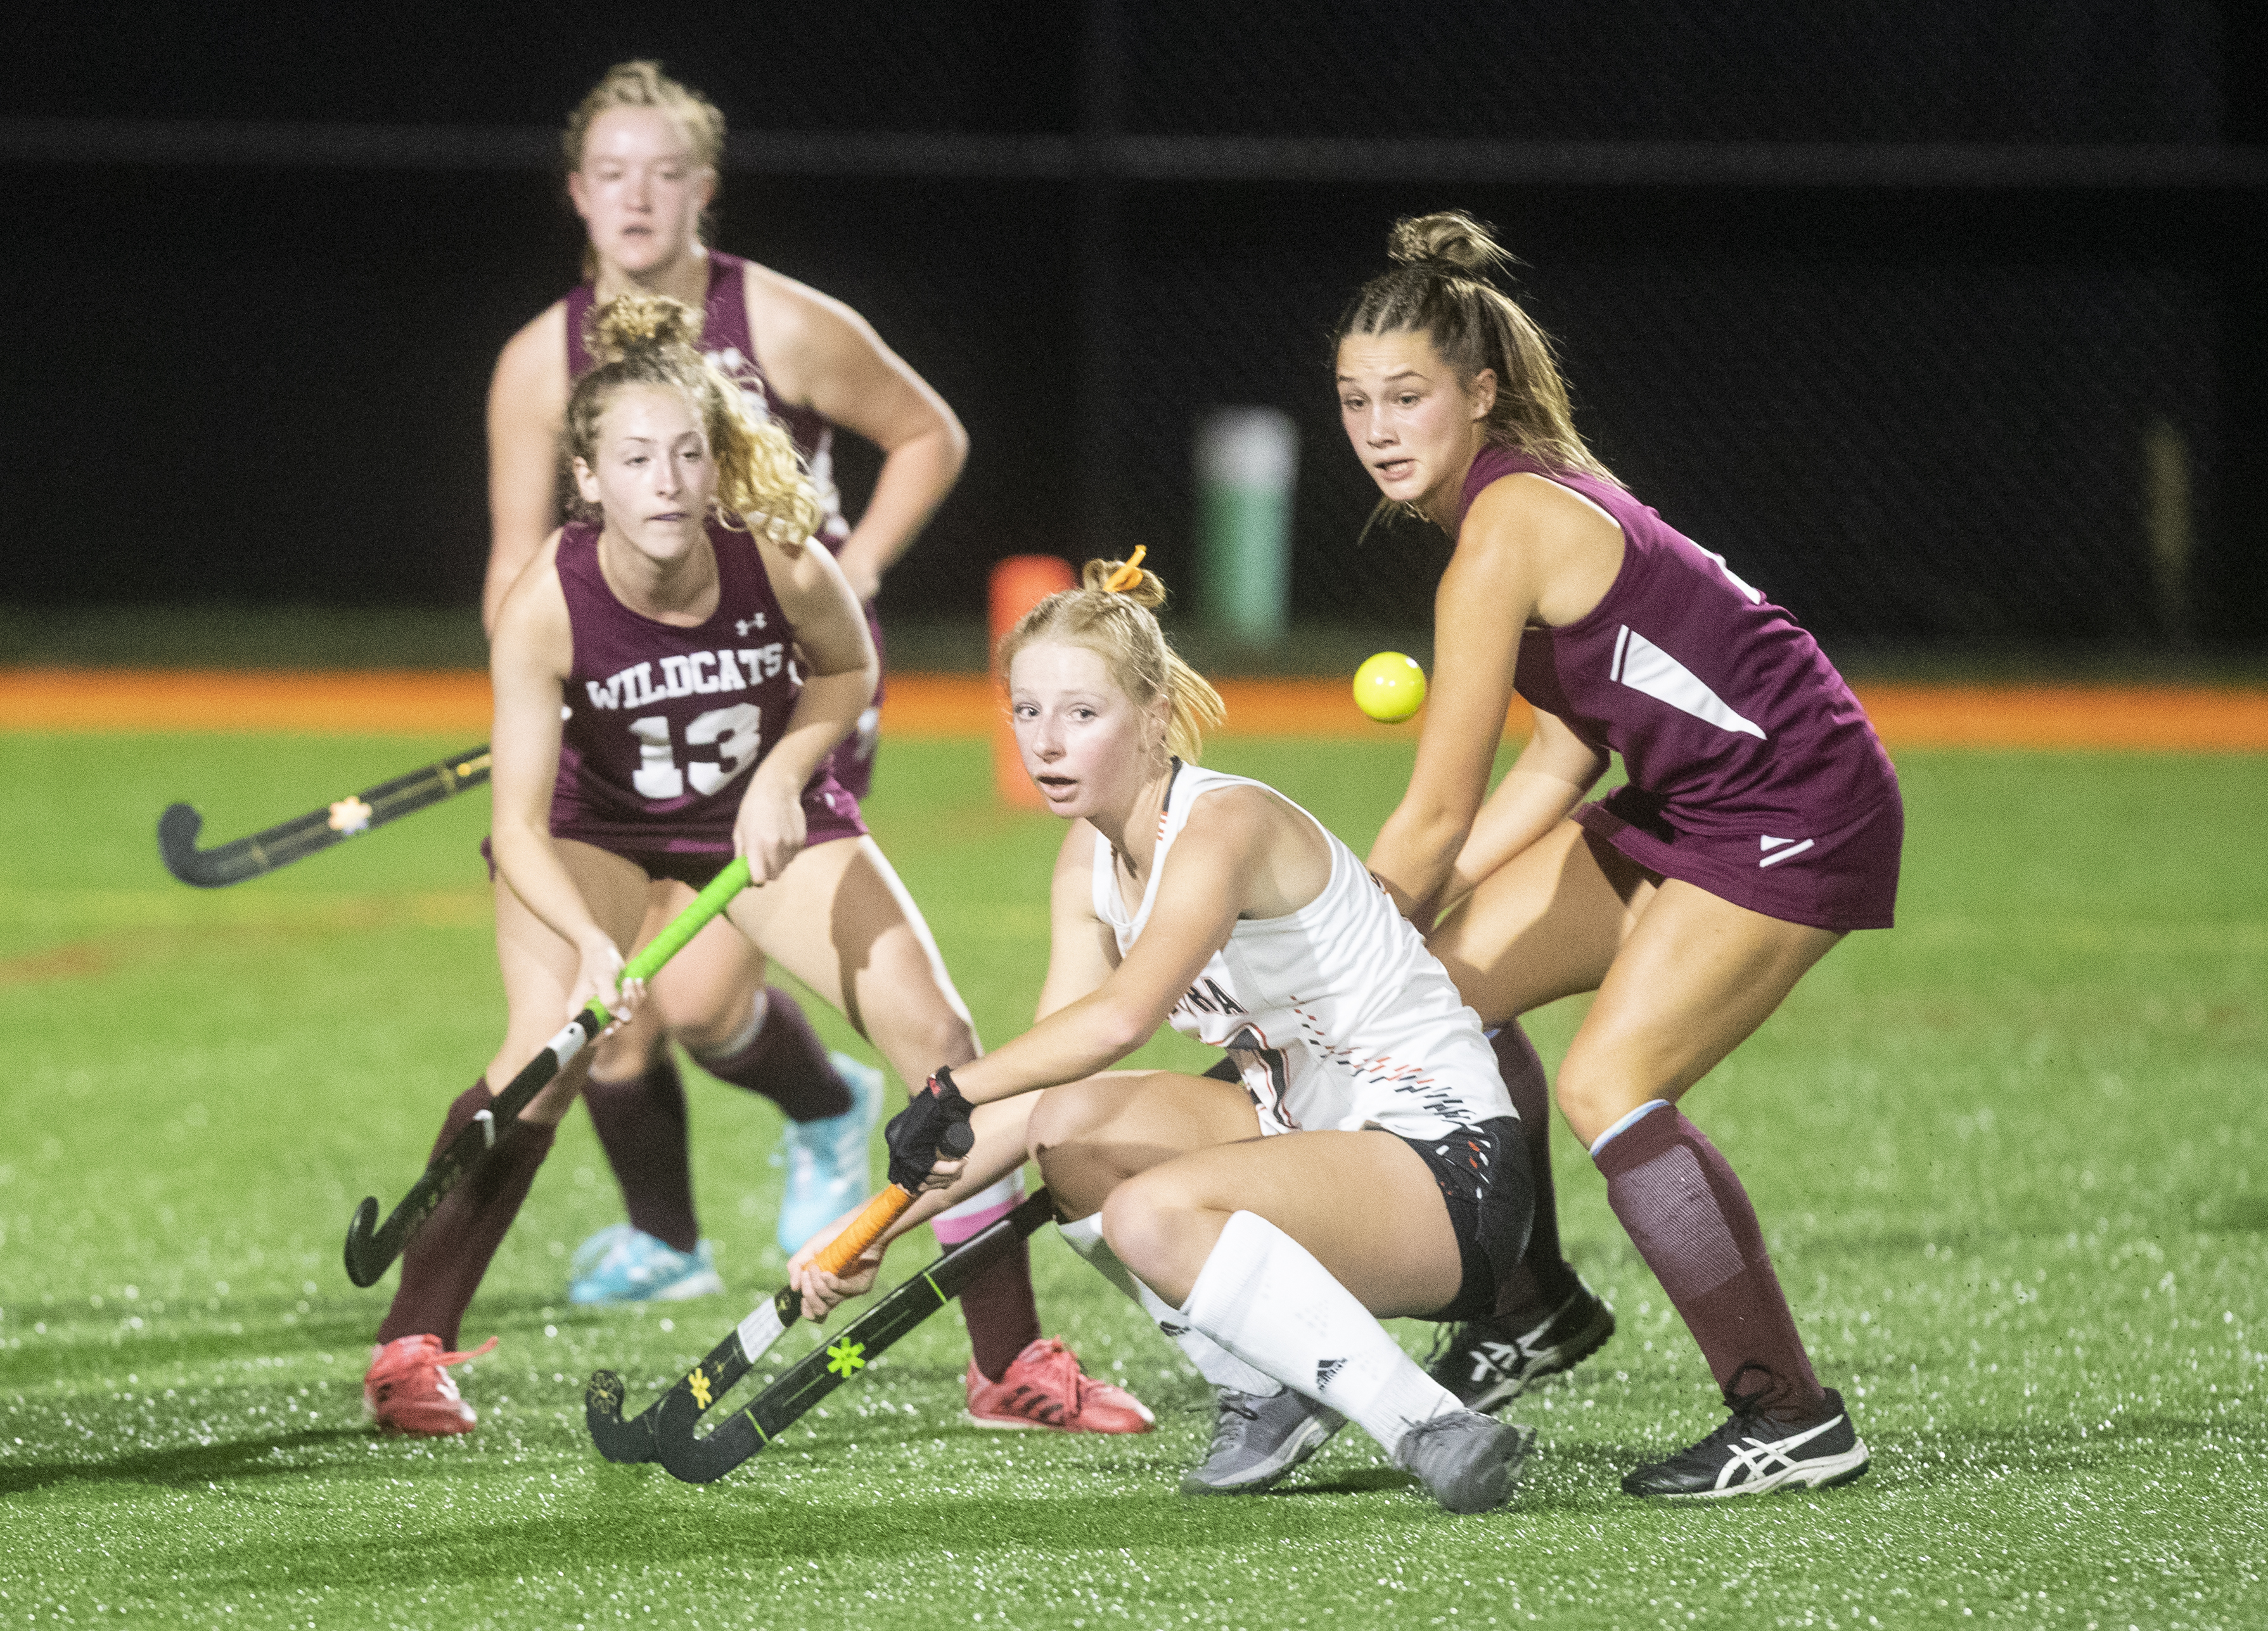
[(1215, 1364), (1265, 1297)]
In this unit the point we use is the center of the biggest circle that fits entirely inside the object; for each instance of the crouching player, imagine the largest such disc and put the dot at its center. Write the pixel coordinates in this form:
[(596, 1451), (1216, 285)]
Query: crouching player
[(640, 735), (1368, 1164)]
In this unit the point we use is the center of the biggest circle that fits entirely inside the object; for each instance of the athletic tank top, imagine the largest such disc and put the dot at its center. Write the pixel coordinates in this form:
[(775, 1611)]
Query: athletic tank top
[(664, 724), (725, 340), (1336, 1014), (1728, 717)]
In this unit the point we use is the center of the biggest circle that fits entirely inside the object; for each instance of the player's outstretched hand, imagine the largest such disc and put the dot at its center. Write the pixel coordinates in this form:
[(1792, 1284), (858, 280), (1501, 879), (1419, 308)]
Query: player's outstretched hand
[(599, 977), (770, 829), (822, 1292), (914, 1133)]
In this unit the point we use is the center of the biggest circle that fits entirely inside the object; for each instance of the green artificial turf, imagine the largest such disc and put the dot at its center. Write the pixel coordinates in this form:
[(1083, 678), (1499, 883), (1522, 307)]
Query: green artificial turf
[(2009, 1155)]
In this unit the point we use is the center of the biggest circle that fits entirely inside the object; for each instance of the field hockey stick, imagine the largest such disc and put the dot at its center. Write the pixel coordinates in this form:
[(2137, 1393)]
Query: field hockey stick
[(370, 1250), (632, 1440), (319, 829), (823, 1369)]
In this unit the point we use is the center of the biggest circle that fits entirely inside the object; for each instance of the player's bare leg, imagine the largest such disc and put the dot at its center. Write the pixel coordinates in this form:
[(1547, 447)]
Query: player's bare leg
[(1547, 923), (1187, 1188), (840, 921), (712, 998), (407, 1387), (1251, 1243), (1690, 976)]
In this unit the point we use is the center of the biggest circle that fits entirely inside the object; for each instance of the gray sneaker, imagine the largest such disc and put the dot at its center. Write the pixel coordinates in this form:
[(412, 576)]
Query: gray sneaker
[(1258, 1439), (1469, 1461)]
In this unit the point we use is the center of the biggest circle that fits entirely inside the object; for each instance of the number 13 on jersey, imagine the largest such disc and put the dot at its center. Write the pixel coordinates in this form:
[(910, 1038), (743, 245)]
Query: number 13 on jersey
[(735, 735)]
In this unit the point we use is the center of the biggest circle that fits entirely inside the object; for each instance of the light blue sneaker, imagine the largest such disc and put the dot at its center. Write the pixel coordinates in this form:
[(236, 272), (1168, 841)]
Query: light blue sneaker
[(620, 1264), (826, 1159)]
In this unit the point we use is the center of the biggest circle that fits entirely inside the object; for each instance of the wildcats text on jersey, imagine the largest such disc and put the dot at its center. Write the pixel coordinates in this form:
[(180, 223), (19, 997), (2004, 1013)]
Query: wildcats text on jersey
[(698, 673)]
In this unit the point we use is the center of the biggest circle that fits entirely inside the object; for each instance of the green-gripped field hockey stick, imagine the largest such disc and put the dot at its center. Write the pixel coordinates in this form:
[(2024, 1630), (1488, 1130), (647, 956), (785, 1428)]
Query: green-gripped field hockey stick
[(319, 829), (370, 1250), (632, 1440), (823, 1369)]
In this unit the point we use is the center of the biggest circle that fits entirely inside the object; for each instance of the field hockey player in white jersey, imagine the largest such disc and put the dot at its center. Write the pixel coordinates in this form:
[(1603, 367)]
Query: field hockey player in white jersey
[(1213, 903)]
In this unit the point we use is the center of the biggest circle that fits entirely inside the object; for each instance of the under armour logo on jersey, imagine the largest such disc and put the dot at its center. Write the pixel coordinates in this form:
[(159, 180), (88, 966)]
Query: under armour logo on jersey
[(1778, 849), (1325, 1370), (746, 624)]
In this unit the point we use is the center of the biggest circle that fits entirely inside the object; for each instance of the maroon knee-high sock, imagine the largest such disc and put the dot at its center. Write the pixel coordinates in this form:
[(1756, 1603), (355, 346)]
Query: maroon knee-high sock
[(786, 1061), (1544, 1279), (443, 1266), (998, 1306), (1002, 1316), (641, 1126), (1691, 1221)]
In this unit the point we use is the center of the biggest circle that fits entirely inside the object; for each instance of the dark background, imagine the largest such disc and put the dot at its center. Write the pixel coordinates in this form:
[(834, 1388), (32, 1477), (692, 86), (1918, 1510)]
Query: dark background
[(1882, 306)]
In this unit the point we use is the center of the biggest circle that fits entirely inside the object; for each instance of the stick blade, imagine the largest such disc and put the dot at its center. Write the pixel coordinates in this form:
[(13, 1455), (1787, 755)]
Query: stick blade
[(624, 1442), (692, 1460), (367, 1256), (177, 846)]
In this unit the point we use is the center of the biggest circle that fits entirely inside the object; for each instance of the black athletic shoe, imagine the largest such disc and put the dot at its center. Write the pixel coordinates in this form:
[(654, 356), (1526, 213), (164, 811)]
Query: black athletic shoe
[(1752, 1453), (1487, 1364)]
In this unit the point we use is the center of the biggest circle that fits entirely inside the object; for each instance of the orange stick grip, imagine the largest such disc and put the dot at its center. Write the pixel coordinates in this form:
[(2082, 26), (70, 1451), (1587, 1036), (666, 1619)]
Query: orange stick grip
[(878, 1214)]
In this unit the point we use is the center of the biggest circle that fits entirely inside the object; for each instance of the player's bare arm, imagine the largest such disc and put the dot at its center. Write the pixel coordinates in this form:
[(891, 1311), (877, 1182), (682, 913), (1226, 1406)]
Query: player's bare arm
[(840, 673), (1081, 948), (1208, 881), (1523, 555), (528, 663), (527, 398), (1549, 779), (822, 354)]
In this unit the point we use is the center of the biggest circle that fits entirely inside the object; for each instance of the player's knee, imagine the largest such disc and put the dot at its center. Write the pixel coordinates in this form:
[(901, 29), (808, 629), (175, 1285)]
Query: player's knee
[(1063, 1117), (943, 1038), (1593, 1093), (1145, 1218), (629, 1051)]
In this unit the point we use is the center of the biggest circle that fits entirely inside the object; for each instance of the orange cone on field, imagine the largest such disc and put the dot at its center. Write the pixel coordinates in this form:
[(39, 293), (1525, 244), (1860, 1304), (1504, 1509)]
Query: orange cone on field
[(1018, 584)]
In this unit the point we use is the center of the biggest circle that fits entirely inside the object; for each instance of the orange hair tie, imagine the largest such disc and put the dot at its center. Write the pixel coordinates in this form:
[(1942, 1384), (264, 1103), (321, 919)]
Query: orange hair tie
[(1129, 576)]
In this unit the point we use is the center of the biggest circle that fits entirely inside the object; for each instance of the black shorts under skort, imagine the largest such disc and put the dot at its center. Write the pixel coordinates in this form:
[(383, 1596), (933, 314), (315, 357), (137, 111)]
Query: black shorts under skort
[(1484, 1175)]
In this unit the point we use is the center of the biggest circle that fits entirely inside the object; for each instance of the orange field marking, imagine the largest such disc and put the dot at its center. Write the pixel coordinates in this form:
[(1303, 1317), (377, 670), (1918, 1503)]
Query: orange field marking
[(406, 701)]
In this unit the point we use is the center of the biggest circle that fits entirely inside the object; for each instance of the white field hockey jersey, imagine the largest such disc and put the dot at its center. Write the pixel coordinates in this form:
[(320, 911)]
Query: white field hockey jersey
[(1337, 1015)]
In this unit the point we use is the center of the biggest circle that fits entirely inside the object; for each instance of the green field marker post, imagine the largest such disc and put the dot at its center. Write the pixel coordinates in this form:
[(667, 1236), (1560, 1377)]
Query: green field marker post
[(1246, 460)]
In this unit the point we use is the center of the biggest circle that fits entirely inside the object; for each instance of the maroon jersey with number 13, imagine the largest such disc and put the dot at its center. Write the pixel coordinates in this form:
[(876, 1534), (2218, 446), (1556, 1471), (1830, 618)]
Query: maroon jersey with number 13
[(665, 724)]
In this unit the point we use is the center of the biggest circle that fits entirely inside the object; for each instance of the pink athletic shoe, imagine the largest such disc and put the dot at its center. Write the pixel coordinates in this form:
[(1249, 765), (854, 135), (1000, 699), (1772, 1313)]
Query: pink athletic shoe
[(408, 1388), (1043, 1386)]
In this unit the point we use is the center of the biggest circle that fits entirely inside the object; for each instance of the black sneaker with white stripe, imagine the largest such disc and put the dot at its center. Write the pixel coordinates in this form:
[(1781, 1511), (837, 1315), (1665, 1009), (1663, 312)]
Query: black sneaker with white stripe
[(1487, 1364), (1754, 1453)]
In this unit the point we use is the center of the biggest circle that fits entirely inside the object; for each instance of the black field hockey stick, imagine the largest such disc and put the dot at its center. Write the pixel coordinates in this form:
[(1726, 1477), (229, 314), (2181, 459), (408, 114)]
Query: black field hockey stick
[(823, 1369), (371, 1249), (632, 1440), (319, 829)]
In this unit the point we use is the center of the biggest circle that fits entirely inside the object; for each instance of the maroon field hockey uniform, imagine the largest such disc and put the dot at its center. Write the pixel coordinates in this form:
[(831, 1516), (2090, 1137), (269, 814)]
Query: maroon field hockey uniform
[(665, 724), (725, 340), (1754, 773)]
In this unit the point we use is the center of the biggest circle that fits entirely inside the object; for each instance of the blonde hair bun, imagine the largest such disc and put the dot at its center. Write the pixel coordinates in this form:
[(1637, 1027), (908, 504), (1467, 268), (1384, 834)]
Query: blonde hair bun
[(629, 324), (1447, 240), (1149, 593)]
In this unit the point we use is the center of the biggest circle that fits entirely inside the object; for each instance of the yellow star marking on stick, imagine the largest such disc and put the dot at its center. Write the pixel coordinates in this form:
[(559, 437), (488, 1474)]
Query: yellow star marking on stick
[(846, 1356), (699, 1383), (350, 814)]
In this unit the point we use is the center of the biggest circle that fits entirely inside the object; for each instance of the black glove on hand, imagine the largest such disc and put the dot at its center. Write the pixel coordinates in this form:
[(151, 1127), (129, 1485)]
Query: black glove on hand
[(915, 1133)]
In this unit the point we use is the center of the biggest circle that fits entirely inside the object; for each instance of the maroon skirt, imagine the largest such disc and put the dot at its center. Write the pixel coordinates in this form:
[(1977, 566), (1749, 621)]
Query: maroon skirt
[(828, 813), (1844, 879)]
